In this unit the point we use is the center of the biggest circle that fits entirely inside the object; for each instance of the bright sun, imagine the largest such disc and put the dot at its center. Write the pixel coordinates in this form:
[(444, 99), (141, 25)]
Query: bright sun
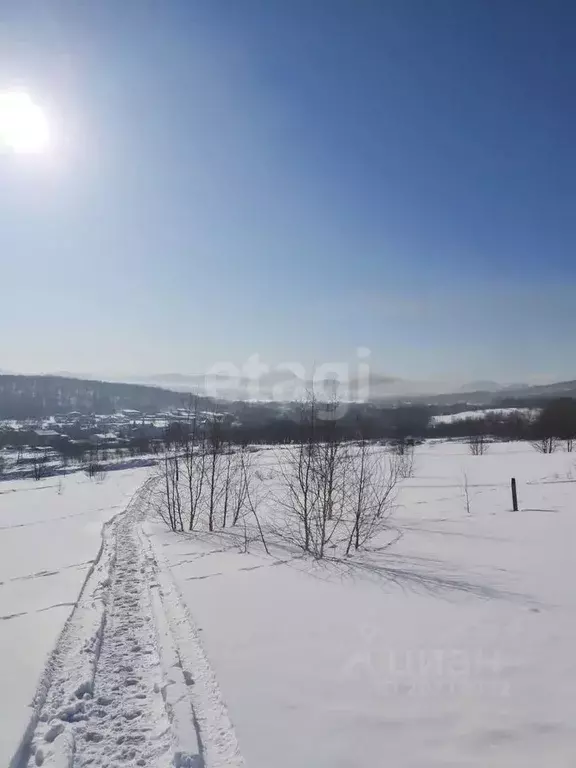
[(23, 125)]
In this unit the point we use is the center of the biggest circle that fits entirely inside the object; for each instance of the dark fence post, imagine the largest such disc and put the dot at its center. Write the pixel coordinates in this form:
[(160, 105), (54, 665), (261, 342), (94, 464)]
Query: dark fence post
[(514, 495)]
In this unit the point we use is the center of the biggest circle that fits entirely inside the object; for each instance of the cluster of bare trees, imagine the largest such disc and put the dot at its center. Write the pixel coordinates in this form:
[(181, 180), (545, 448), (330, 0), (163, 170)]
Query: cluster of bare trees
[(548, 444), (335, 496), (477, 444), (328, 496), (205, 482)]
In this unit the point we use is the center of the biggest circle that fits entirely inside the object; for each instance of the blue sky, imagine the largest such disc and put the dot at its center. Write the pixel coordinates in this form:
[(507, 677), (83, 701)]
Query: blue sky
[(293, 179)]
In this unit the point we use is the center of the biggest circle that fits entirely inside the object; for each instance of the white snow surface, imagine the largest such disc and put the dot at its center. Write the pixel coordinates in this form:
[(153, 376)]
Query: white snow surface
[(482, 413), (50, 535), (453, 648), (127, 683)]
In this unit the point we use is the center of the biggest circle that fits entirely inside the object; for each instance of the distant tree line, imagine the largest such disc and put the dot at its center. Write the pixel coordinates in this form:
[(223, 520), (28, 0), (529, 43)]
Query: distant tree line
[(36, 397), (284, 424), (553, 426), (556, 419)]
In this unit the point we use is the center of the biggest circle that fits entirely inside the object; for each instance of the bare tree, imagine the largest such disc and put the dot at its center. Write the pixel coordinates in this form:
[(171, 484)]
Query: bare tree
[(359, 494), (93, 467), (40, 467), (329, 465), (95, 471), (300, 491), (335, 495), (545, 444), (477, 444), (405, 461), (252, 499), (214, 471), (244, 479), (374, 492), (194, 460), (169, 498), (230, 479)]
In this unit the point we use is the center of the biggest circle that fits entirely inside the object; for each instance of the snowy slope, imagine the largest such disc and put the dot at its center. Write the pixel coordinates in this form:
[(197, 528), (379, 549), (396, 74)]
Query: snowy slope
[(450, 418), (453, 649), (127, 682), (50, 533)]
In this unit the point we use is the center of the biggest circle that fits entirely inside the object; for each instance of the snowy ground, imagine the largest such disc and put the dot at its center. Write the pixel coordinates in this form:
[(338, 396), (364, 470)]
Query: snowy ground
[(50, 534), (453, 649), (482, 413), (20, 466)]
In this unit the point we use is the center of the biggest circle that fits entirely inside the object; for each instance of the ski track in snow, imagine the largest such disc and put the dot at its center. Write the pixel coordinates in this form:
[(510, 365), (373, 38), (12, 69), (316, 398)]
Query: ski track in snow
[(128, 683)]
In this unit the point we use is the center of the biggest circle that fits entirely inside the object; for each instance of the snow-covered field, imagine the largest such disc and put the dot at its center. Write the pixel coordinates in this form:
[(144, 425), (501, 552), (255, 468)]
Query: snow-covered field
[(452, 648), (482, 413), (20, 465), (50, 534)]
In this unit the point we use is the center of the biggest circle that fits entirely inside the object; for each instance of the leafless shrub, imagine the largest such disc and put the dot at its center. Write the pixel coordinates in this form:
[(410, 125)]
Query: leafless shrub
[(310, 496), (330, 495), (405, 462), (335, 495), (477, 444), (40, 467), (297, 498), (545, 444), (95, 471), (374, 489)]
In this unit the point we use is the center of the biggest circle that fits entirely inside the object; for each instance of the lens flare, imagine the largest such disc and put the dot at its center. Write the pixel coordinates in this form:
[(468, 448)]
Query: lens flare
[(24, 128)]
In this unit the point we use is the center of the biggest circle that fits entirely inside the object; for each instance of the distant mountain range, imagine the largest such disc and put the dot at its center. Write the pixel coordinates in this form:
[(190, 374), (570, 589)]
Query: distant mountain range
[(512, 392), (287, 386), (277, 386)]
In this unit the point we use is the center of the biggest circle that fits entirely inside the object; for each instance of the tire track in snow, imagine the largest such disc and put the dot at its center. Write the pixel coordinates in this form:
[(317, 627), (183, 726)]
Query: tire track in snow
[(100, 702), (128, 683), (193, 680), (125, 720), (74, 658)]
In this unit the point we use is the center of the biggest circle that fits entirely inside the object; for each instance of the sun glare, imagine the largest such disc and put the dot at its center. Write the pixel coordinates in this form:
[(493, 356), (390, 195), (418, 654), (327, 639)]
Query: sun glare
[(23, 125)]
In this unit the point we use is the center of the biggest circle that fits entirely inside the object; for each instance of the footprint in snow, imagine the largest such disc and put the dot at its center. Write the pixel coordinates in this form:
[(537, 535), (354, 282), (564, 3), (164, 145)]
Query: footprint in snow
[(133, 714)]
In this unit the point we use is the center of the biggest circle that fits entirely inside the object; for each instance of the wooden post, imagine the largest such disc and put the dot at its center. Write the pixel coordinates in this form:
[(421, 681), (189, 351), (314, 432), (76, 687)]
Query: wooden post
[(514, 495)]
